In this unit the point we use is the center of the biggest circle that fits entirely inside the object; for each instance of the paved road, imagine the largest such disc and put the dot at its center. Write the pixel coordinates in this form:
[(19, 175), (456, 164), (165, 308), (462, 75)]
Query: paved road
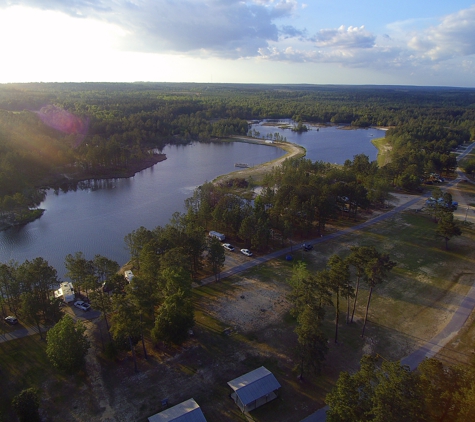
[(77, 314), (19, 333)]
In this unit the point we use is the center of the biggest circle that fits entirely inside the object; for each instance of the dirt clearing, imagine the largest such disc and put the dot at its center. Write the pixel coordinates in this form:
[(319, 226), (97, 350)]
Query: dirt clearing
[(252, 305)]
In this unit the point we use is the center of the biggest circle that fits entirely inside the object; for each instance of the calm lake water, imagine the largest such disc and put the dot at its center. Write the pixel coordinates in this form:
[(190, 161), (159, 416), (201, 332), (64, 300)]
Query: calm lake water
[(96, 218), (333, 144)]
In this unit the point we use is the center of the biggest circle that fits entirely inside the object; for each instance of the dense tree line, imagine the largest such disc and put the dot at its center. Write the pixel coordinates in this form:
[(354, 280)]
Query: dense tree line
[(419, 150), (297, 200), (362, 106), (157, 301), (391, 392)]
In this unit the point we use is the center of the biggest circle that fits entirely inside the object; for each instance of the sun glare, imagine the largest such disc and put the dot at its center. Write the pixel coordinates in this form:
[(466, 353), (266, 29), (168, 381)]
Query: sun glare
[(51, 46)]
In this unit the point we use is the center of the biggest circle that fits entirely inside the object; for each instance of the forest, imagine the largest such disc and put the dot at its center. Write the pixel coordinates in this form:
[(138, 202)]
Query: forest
[(50, 131)]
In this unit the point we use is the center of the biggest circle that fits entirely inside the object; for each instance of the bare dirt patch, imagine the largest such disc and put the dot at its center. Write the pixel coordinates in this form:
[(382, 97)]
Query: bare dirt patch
[(252, 305)]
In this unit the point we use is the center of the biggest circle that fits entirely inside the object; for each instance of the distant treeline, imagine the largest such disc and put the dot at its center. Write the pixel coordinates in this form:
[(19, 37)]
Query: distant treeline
[(93, 126)]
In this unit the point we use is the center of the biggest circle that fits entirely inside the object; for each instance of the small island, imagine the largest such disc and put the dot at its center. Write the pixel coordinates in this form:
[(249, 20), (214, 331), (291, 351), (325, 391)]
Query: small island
[(299, 127)]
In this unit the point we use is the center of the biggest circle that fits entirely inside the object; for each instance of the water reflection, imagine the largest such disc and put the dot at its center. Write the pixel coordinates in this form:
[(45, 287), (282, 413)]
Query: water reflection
[(94, 216)]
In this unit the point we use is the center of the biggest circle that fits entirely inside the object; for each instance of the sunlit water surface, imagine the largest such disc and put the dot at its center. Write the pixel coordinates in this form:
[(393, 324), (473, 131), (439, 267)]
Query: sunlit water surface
[(96, 218)]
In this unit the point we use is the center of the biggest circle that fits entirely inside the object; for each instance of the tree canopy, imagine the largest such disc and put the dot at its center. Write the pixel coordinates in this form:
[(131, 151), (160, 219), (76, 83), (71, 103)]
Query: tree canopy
[(67, 345), (391, 392)]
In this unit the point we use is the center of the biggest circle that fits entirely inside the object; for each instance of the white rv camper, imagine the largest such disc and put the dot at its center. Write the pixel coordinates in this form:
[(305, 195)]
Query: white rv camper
[(66, 291)]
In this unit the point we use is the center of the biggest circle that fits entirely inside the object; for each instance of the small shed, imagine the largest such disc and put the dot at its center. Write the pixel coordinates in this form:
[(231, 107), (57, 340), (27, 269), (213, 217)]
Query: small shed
[(254, 389), (188, 411)]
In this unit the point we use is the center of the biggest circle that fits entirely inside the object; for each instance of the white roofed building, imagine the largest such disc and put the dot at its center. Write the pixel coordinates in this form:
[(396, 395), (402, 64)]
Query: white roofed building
[(129, 275), (188, 411), (254, 389)]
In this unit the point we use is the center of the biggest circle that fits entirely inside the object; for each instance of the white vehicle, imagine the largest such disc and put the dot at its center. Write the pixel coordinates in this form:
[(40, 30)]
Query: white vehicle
[(217, 235), (228, 246), (11, 320), (66, 292), (129, 275), (246, 252), (82, 305)]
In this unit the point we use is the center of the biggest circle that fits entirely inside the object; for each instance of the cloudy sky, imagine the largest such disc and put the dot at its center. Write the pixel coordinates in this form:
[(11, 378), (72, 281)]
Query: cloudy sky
[(410, 42)]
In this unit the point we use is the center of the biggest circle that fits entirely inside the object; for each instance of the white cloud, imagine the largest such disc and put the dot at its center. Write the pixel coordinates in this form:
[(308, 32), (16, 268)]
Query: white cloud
[(407, 46), (353, 37), (224, 28), (236, 29), (453, 37)]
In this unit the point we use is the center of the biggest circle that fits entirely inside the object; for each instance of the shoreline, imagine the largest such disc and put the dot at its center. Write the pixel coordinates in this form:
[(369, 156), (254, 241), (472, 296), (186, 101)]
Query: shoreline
[(257, 172), (134, 167), (59, 180)]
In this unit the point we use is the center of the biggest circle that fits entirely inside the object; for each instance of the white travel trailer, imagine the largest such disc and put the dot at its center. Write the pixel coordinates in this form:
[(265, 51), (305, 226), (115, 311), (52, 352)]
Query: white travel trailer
[(217, 235), (66, 291)]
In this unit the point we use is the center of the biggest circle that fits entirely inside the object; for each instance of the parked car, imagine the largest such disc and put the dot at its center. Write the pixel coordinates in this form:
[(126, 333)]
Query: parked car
[(82, 305), (307, 247), (11, 320), (228, 246), (246, 252)]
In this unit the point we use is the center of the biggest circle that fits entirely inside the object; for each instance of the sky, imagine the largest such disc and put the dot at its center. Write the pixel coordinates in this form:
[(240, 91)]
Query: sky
[(398, 42)]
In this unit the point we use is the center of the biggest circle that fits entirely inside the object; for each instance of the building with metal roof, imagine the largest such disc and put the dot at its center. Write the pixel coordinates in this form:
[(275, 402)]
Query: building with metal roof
[(188, 411), (254, 389)]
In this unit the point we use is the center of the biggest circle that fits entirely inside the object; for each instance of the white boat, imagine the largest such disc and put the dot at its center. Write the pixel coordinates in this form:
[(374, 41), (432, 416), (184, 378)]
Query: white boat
[(243, 165)]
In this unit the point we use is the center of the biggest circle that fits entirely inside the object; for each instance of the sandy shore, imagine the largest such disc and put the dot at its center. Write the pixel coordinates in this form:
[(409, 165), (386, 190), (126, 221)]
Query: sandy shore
[(257, 172)]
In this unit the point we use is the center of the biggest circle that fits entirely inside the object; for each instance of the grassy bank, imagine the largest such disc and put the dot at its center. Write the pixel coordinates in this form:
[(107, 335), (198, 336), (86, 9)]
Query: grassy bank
[(384, 150)]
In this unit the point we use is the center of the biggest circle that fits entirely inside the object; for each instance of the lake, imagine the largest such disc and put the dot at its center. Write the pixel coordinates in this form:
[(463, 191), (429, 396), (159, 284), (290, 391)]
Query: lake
[(333, 144), (96, 218)]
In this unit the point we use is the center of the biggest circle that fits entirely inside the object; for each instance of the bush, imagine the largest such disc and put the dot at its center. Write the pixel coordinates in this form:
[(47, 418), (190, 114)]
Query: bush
[(26, 405), (469, 167)]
